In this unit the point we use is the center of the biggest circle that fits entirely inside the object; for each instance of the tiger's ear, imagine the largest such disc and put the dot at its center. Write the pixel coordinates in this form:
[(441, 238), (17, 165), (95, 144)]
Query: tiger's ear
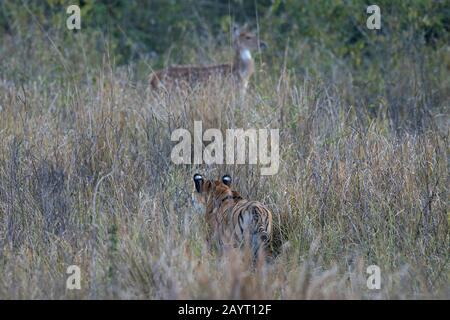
[(226, 179), (198, 181)]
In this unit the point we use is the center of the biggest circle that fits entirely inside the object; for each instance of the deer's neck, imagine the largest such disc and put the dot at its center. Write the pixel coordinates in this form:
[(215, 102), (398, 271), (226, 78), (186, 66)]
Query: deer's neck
[(243, 63)]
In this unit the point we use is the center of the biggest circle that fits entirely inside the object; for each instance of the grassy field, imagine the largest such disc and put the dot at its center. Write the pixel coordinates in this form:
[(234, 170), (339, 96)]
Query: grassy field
[(86, 177)]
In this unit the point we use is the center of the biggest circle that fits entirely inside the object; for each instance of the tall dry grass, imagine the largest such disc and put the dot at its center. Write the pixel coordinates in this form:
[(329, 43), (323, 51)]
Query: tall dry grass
[(86, 178)]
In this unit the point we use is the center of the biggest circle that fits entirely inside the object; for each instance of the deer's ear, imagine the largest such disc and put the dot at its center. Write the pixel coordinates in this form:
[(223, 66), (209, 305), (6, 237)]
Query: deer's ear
[(198, 182), (226, 179), (236, 31)]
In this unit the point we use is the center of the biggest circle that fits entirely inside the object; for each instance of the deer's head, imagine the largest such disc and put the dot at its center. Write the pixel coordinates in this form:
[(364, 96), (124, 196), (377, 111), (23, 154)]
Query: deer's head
[(246, 40)]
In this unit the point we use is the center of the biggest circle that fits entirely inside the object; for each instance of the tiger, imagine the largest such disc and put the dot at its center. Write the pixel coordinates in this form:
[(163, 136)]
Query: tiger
[(232, 220)]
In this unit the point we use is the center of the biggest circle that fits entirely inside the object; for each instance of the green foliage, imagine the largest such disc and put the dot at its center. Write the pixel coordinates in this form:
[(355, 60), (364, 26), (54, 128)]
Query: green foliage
[(326, 39), (156, 25)]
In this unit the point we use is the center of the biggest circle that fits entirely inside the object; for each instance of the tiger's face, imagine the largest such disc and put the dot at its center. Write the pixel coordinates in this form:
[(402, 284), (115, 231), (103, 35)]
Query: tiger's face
[(205, 191)]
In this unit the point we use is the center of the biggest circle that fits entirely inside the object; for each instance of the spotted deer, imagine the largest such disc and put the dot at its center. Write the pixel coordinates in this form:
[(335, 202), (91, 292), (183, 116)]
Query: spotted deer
[(239, 71)]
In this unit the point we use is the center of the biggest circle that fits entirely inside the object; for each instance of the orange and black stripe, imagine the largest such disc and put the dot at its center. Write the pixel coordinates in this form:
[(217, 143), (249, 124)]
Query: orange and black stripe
[(234, 220)]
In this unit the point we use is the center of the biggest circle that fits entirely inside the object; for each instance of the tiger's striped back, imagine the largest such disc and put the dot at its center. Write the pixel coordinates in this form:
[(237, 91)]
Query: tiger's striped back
[(233, 220)]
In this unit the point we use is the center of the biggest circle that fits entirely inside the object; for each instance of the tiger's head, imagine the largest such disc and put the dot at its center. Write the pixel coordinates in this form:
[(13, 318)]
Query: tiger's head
[(210, 192)]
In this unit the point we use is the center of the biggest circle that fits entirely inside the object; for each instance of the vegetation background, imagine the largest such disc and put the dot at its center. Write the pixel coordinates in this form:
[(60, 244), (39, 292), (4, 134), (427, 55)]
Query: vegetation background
[(85, 170)]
